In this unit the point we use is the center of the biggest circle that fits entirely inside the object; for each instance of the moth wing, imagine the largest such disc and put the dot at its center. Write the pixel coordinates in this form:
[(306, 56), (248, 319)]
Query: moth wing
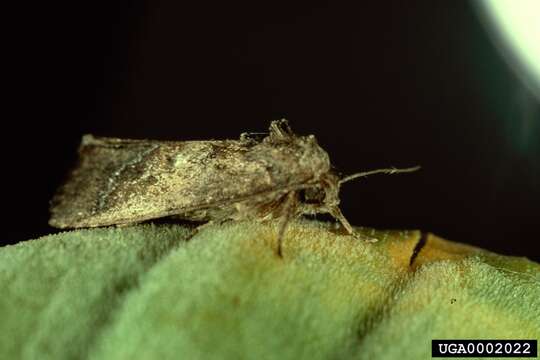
[(124, 181)]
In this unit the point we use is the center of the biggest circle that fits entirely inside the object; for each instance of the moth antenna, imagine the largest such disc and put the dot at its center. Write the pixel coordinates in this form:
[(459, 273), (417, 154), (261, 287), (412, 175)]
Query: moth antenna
[(391, 170)]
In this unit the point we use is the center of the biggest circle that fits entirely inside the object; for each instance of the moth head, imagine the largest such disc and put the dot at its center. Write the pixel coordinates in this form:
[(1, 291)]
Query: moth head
[(331, 185), (324, 192), (314, 195)]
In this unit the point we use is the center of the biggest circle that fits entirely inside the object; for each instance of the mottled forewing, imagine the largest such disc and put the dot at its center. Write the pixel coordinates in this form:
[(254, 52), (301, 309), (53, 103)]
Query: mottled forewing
[(124, 181)]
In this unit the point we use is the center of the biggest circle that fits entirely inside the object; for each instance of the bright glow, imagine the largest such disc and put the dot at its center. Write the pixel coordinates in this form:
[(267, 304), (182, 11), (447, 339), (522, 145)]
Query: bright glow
[(516, 25)]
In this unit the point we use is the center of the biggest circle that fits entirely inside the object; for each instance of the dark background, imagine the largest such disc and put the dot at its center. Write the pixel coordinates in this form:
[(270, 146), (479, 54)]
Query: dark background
[(378, 83)]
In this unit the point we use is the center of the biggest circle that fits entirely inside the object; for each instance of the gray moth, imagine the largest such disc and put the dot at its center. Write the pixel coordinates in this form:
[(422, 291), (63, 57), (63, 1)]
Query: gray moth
[(278, 176)]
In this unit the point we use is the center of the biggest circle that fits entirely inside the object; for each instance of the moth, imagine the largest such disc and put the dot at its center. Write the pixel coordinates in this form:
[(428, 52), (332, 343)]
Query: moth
[(277, 176)]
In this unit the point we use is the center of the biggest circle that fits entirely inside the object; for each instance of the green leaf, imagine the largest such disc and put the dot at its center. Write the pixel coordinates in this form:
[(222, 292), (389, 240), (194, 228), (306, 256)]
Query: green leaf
[(151, 291)]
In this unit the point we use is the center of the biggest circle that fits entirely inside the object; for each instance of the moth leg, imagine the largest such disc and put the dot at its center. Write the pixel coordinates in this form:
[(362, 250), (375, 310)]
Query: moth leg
[(287, 215), (338, 215)]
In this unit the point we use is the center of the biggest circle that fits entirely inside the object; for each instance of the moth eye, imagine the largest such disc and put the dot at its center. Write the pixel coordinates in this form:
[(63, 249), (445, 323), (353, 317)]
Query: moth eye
[(312, 195)]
